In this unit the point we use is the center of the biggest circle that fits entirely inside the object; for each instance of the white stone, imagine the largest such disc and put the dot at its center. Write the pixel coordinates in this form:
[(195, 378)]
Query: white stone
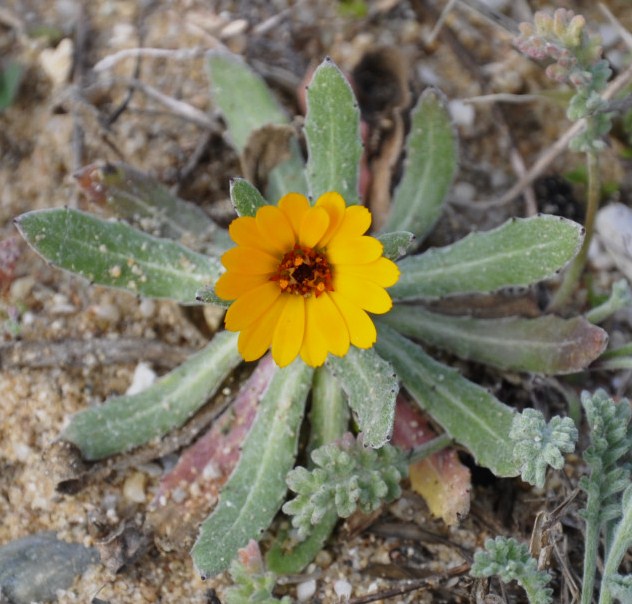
[(144, 376)]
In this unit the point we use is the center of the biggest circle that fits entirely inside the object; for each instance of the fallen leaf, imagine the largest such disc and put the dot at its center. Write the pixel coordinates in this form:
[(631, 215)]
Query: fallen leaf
[(441, 479)]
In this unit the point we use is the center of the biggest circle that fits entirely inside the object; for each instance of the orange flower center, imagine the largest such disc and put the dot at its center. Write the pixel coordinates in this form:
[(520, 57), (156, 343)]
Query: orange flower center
[(304, 271)]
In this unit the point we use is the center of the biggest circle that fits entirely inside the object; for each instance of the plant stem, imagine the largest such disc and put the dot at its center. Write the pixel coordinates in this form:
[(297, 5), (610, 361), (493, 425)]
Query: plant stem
[(620, 544), (591, 544), (429, 447), (573, 274)]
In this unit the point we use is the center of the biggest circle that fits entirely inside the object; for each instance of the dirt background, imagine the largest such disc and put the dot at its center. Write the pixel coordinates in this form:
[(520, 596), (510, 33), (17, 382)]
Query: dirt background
[(67, 114)]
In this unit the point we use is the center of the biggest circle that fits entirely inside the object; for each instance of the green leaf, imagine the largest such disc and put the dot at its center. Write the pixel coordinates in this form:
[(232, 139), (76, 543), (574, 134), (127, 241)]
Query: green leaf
[(332, 131), (539, 445), (467, 412), (371, 388), (328, 420), (286, 557), (247, 105), (149, 205), (207, 295), (549, 345), (520, 252), (256, 489), (116, 255), (329, 414), (125, 422), (245, 197), (396, 244), (429, 168), (10, 77)]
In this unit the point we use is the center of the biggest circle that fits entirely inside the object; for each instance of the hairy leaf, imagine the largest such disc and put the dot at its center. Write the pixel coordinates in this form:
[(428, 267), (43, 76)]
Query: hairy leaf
[(328, 421), (429, 168), (149, 205), (245, 197), (371, 388), (467, 412), (332, 130), (520, 252), (116, 255), (255, 491), (128, 421), (396, 244), (247, 105), (549, 345)]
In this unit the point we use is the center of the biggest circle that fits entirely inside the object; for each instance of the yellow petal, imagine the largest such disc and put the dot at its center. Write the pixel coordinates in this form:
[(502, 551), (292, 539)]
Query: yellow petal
[(313, 227), (314, 348), (245, 232), (289, 331), (249, 261), (248, 308), (354, 250), (275, 229), (356, 222), (256, 339), (362, 332), (365, 294), (294, 206), (330, 323), (232, 285), (382, 271), (334, 205)]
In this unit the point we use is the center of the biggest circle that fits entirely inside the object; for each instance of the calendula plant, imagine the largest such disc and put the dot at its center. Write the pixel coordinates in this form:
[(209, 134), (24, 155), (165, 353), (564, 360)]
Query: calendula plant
[(341, 309)]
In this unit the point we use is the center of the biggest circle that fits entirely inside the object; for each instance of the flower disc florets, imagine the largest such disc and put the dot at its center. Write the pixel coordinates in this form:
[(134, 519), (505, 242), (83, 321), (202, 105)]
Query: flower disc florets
[(303, 278), (304, 271)]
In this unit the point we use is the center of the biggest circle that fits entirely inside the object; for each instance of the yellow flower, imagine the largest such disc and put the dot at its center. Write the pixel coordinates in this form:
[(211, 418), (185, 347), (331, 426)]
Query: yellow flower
[(303, 278)]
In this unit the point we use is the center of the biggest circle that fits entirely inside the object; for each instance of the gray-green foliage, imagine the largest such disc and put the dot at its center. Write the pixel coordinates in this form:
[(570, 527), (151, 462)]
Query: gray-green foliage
[(511, 561), (332, 132), (429, 168), (539, 445), (128, 421), (548, 345), (467, 412), (116, 255), (252, 587), (10, 77), (578, 61), (370, 384), (348, 476), (256, 489), (608, 478), (247, 105), (149, 206), (396, 244), (517, 253)]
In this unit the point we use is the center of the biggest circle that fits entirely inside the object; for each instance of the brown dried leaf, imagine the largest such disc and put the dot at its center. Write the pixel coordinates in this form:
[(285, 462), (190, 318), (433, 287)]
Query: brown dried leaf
[(381, 83), (266, 148), (125, 545)]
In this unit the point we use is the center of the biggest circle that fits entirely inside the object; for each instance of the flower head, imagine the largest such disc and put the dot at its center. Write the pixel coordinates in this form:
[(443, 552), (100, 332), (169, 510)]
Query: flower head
[(303, 279)]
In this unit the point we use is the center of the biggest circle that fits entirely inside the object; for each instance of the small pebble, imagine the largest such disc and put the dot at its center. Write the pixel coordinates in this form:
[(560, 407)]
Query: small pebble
[(234, 28), (144, 377), (343, 589), (305, 590), (463, 192), (147, 308), (134, 487), (462, 113), (21, 288), (57, 62)]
